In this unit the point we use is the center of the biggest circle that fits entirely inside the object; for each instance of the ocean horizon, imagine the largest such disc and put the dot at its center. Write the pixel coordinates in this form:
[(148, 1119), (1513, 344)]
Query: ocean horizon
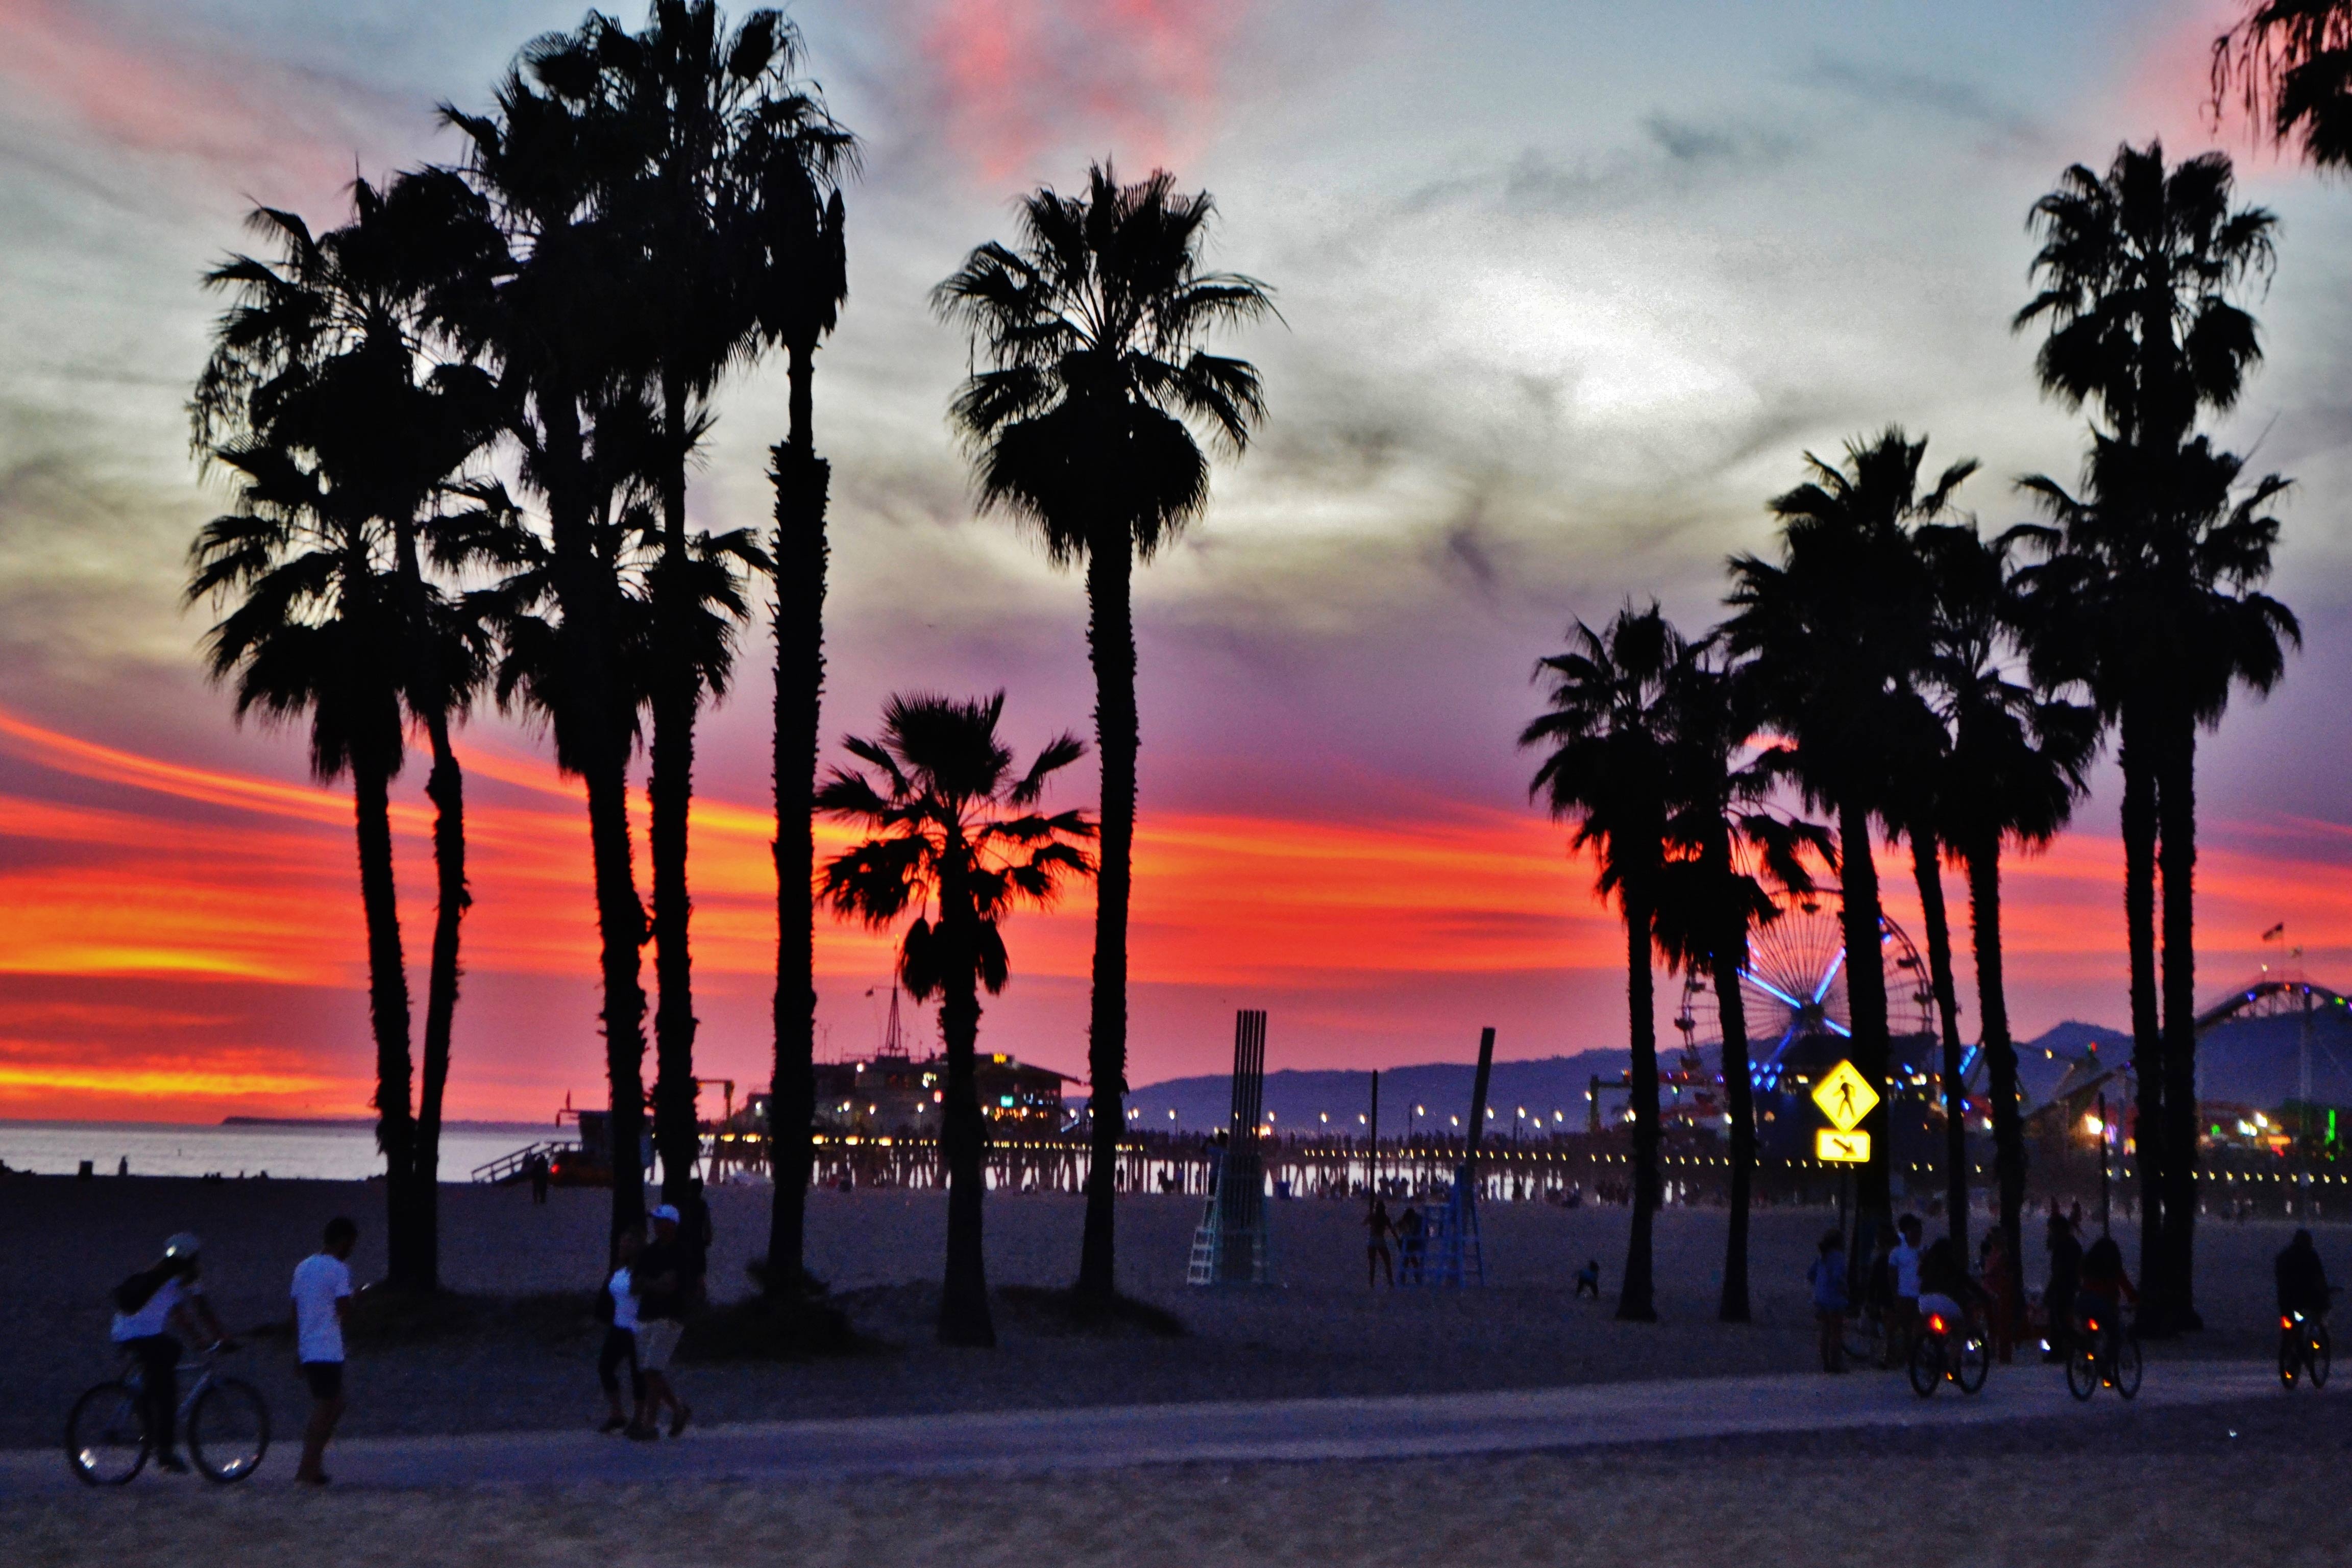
[(318, 1151)]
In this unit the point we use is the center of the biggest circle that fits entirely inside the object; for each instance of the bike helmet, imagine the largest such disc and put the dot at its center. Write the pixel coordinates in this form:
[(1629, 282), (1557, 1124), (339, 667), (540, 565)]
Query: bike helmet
[(183, 1244)]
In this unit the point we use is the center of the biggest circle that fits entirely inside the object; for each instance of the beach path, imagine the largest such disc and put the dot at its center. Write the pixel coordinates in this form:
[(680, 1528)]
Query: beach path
[(1294, 1430)]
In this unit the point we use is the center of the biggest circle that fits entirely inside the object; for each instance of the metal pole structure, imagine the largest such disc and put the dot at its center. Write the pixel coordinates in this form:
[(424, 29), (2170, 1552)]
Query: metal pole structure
[(1372, 1143)]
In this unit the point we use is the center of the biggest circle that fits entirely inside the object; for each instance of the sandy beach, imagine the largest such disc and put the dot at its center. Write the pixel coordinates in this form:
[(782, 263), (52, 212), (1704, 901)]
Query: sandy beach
[(1317, 1332)]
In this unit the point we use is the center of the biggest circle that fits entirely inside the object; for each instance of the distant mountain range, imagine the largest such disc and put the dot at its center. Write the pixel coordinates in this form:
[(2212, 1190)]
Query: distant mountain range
[(2253, 1061)]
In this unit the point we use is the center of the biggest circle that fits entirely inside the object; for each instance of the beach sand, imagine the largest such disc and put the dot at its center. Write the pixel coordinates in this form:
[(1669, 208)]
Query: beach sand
[(1317, 1332), (2118, 1486)]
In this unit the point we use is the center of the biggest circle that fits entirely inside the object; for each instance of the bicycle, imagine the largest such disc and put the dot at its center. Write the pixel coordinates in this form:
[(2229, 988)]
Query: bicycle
[(226, 1418), (2302, 1349), (1949, 1352), (2105, 1354)]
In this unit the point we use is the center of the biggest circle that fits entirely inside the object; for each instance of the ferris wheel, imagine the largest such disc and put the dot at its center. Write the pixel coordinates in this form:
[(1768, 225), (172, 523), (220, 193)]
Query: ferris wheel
[(1794, 987)]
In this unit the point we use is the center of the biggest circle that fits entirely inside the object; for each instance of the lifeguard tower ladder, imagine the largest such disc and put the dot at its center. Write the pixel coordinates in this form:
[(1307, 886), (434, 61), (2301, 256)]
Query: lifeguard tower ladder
[(1229, 1248)]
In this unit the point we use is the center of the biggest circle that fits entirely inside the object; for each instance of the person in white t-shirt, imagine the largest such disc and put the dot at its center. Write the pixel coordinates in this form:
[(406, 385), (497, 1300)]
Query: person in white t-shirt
[(322, 1296), (620, 1348), (164, 1296)]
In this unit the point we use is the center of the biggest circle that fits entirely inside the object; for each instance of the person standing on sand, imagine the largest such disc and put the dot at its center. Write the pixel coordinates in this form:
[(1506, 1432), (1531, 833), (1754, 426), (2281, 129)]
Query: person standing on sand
[(538, 1175), (666, 1277), (1410, 1233), (1377, 1261), (2001, 1284), (1903, 1324), (322, 1298), (1827, 1277)]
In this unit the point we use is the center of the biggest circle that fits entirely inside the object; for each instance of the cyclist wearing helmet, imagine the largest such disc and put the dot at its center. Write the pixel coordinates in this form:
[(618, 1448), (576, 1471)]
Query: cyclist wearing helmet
[(147, 1307)]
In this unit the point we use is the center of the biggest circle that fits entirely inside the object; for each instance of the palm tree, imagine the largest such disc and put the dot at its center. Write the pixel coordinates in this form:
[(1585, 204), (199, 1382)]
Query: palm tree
[(691, 100), (1836, 631), (547, 300), (801, 155), (313, 630), (2011, 778), (2150, 595), (1608, 739), (2290, 63), (321, 358), (2137, 269), (1710, 898), (958, 841), (1083, 427)]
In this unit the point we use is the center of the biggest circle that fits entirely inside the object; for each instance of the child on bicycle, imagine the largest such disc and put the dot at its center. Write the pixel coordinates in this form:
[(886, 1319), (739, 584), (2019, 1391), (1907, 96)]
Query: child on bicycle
[(148, 1306), (1945, 1291), (2100, 1294)]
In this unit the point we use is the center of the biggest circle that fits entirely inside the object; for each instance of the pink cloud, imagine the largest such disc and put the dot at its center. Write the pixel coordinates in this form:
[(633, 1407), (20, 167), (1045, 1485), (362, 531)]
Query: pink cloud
[(1137, 78)]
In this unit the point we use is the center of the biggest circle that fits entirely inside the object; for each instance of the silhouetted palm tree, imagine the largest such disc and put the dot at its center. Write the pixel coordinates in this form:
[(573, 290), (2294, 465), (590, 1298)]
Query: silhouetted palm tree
[(1091, 327), (2011, 778), (2138, 268), (320, 364), (2290, 63), (1709, 896), (2150, 595), (958, 842), (1607, 739), (1837, 633), (692, 100), (547, 301), (801, 155)]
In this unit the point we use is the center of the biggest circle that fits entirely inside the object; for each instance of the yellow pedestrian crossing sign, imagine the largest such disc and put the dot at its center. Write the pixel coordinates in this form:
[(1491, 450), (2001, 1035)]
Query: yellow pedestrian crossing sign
[(1835, 1148), (1845, 1097)]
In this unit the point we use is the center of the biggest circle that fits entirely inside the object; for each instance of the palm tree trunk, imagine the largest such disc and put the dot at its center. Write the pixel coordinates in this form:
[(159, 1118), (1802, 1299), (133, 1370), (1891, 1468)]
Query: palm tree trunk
[(1637, 1300), (964, 1318), (2177, 810), (1110, 644), (2001, 1054), (591, 737), (1927, 870), (1866, 991), (1731, 1005), (671, 792), (445, 787), (800, 478), (395, 1127), (2138, 756)]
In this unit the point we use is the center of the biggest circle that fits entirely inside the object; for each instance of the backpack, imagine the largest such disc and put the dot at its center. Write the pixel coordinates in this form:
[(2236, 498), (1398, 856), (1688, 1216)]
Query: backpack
[(138, 1289)]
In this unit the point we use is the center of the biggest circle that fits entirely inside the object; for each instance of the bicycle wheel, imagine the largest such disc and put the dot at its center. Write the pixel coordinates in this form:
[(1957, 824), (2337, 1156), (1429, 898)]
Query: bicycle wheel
[(1975, 1360), (2316, 1357), (1926, 1365), (2126, 1365), (228, 1430), (2081, 1373), (106, 1438)]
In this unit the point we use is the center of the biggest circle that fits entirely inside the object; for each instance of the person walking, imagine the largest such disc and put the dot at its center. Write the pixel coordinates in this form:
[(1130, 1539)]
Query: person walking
[(2001, 1285), (322, 1298), (1412, 1240), (666, 1278), (1827, 1277), (1377, 1261), (540, 1172), (620, 1348)]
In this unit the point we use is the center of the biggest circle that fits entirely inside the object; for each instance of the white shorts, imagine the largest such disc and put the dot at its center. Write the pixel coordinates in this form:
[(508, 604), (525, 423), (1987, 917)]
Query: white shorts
[(655, 1342)]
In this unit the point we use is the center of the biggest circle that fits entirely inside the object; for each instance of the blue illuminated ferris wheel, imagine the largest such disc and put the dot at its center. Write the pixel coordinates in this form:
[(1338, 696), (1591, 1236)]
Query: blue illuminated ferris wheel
[(1793, 990)]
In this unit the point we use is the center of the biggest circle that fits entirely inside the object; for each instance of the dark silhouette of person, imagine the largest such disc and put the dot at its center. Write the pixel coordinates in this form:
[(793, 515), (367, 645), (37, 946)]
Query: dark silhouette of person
[(2065, 1280), (2302, 1279)]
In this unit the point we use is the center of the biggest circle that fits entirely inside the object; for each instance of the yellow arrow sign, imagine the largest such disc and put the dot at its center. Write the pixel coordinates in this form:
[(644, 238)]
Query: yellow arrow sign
[(1841, 1147), (1845, 1097)]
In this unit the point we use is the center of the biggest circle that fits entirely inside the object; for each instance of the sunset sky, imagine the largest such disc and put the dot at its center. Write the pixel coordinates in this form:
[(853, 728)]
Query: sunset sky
[(1566, 290)]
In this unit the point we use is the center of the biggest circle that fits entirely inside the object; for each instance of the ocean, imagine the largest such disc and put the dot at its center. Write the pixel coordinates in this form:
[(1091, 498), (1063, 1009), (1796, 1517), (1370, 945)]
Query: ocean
[(330, 1153)]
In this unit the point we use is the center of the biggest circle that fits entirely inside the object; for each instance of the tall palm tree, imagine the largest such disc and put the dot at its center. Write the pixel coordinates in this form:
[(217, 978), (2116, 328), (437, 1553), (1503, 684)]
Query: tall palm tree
[(803, 155), (958, 841), (1607, 740), (2290, 64), (2151, 594), (2139, 268), (691, 96), (1709, 896), (1836, 633), (549, 303), (321, 358), (2011, 779), (312, 630), (1083, 426)]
